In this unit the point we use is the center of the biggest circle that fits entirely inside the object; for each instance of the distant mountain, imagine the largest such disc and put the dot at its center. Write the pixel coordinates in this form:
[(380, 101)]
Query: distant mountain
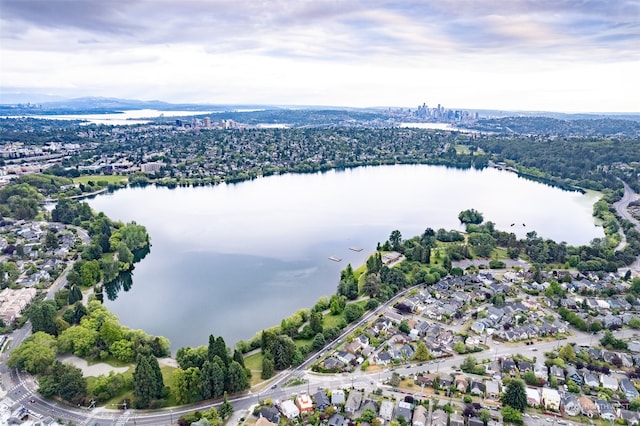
[(100, 105)]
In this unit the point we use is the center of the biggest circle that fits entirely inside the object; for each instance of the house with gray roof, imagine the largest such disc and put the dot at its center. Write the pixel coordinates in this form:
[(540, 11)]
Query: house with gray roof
[(419, 416), (606, 410), (405, 410), (628, 389), (353, 402)]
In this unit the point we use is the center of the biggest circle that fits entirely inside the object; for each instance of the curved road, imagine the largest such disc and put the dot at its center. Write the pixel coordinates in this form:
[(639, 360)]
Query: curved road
[(622, 207)]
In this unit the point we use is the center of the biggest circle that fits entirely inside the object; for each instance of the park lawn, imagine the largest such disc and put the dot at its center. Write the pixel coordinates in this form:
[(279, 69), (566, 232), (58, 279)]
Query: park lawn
[(330, 321), (303, 342), (499, 253), (167, 377), (254, 364), (95, 178), (253, 361)]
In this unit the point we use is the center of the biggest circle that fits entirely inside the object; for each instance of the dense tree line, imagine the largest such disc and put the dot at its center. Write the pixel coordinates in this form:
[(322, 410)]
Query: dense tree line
[(208, 372)]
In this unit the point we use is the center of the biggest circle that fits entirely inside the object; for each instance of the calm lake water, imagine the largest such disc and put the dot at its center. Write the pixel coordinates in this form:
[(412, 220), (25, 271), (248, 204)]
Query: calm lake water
[(231, 260)]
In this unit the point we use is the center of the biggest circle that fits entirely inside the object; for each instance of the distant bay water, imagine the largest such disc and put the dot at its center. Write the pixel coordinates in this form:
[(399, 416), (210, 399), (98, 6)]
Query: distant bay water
[(234, 259)]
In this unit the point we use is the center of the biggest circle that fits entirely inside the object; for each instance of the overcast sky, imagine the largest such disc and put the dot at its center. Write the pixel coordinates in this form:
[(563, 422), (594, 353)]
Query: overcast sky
[(551, 55)]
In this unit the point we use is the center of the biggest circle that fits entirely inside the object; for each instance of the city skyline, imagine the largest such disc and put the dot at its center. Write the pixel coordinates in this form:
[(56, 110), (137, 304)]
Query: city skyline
[(565, 56)]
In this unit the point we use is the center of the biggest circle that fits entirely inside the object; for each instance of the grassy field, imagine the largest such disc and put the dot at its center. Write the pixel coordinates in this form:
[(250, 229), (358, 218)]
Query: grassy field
[(254, 363), (95, 178), (330, 321)]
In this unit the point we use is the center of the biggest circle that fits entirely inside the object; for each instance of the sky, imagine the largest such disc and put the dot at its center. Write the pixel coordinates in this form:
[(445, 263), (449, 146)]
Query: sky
[(534, 55)]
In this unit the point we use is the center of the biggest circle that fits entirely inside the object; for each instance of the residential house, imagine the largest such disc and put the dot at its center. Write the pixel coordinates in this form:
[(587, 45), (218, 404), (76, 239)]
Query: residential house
[(492, 390), (304, 403), (533, 396), (570, 404), (332, 363), (264, 422), (370, 405), (439, 418), (609, 382), (346, 357), (336, 420), (591, 380), (606, 410), (386, 410), (271, 414), (631, 417), (628, 389), (524, 366), (551, 399), (558, 373), (426, 379), (475, 421), (383, 358), (541, 371), (353, 402), (461, 383), (509, 366), (587, 407), (419, 416), (322, 400), (573, 375), (456, 420), (405, 410), (477, 388), (289, 409), (337, 397)]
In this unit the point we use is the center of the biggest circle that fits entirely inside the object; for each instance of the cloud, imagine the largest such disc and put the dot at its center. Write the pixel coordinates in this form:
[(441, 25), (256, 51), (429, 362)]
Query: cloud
[(318, 47)]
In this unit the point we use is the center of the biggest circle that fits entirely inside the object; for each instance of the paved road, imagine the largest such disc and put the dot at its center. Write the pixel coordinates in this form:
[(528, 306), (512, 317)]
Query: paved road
[(621, 207)]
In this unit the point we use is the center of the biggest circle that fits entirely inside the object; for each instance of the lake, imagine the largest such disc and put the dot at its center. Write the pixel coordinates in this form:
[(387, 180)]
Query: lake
[(233, 259)]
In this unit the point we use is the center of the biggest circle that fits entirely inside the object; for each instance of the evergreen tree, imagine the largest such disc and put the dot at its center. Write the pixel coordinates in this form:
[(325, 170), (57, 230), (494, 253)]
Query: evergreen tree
[(515, 395), (217, 347), (75, 295), (268, 367), (217, 378), (43, 316), (148, 384), (206, 380), (236, 378), (237, 357)]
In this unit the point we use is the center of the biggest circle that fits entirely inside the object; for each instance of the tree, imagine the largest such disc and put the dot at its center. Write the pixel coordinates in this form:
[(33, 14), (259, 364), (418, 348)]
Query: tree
[(36, 353), (530, 378), (372, 284), (66, 381), (470, 216), (315, 322), (337, 304), (42, 316), (186, 385), (515, 395), (226, 409), (319, 341), (421, 353), (147, 383), (283, 351), (568, 353), (484, 416), (51, 240), (481, 243), (460, 347), (75, 295), (236, 378), (395, 239), (268, 366), (353, 311), (511, 415), (218, 347)]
